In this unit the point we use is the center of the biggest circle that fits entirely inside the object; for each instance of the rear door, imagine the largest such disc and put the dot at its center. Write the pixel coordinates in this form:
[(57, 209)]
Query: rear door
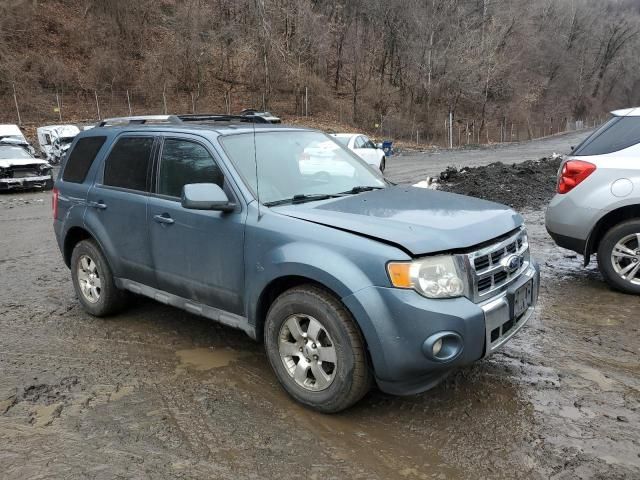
[(117, 207), (198, 254), (364, 151)]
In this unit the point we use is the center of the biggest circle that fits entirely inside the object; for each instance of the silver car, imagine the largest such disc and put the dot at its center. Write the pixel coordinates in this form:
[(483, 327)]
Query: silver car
[(597, 206)]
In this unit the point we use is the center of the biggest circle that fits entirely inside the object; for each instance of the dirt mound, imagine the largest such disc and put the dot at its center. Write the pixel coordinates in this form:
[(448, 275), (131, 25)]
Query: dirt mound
[(530, 184)]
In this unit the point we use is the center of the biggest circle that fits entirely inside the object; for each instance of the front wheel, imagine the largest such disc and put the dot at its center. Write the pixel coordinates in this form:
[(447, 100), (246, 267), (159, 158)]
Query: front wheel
[(316, 350), (383, 164), (619, 256)]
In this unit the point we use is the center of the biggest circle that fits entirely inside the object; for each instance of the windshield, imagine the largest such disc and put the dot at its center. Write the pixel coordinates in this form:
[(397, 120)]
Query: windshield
[(342, 140), (64, 140), (12, 153), (293, 164)]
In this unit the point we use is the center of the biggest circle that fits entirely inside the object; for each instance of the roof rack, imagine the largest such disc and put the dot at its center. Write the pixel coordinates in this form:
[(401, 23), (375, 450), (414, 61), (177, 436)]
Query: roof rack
[(220, 117), (178, 119), (139, 120)]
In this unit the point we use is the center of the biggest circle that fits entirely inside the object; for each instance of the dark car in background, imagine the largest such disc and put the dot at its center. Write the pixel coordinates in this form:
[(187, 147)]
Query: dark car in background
[(263, 116)]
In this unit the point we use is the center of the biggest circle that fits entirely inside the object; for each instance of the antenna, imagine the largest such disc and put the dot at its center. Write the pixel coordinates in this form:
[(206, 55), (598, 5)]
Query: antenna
[(255, 160)]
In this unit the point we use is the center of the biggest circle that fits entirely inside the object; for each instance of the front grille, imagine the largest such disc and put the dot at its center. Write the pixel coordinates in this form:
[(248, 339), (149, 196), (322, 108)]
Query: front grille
[(24, 171), (489, 271)]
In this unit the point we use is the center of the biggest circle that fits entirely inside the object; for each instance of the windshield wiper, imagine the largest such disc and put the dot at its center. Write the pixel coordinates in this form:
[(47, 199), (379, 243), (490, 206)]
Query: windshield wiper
[(302, 198), (360, 189)]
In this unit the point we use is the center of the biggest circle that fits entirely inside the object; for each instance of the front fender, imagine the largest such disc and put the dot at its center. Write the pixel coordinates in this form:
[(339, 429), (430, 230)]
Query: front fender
[(331, 269)]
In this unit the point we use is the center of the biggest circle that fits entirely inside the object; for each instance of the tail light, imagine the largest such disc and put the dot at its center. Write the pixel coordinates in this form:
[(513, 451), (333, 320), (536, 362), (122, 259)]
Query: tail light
[(54, 203), (573, 173)]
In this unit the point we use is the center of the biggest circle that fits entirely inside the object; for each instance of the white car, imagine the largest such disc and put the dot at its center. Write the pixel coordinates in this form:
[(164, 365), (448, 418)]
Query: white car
[(55, 140), (364, 148), (21, 170), (12, 135)]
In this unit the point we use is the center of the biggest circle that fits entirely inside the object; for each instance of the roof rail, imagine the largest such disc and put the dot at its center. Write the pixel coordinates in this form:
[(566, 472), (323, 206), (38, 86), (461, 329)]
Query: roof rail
[(178, 119), (139, 120), (219, 117)]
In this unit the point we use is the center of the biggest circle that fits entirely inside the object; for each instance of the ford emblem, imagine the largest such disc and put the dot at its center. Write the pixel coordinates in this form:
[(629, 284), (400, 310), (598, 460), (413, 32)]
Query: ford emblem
[(512, 263)]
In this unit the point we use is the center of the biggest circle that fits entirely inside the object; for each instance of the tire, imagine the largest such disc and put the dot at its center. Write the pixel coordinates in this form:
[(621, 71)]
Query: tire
[(346, 379), (48, 185), (100, 301), (383, 164), (617, 270)]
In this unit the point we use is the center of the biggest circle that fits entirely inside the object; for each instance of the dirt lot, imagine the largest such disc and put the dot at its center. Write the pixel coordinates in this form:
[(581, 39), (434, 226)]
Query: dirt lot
[(159, 393), (413, 166)]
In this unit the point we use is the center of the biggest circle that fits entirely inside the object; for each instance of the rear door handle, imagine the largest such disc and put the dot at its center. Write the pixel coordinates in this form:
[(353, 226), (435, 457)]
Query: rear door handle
[(164, 218), (99, 205)]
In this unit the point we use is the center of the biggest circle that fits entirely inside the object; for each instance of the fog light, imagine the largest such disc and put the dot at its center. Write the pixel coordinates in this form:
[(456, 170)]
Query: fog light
[(437, 346), (443, 346)]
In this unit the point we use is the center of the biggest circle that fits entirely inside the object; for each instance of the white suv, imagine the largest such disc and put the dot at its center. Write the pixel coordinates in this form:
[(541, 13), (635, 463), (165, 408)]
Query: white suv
[(597, 205)]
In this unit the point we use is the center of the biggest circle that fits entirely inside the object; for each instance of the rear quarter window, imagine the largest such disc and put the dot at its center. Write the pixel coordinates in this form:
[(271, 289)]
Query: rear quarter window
[(127, 165), (615, 135), (81, 158)]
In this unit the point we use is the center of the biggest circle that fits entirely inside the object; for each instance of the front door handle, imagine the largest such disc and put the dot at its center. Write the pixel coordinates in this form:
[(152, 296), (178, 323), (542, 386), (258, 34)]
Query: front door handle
[(164, 218), (99, 205)]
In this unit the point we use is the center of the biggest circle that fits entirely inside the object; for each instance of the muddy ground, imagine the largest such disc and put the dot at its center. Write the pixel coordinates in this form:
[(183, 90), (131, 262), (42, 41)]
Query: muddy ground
[(158, 393)]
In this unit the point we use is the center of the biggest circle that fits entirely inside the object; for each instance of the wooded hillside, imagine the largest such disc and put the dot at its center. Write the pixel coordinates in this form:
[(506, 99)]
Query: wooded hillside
[(402, 63)]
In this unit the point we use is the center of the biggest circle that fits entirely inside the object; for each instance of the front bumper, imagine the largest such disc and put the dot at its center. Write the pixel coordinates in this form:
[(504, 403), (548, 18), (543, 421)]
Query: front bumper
[(397, 323), (23, 183)]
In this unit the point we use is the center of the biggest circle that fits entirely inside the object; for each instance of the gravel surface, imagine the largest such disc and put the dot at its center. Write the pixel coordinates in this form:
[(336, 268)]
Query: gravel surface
[(416, 166), (158, 393)]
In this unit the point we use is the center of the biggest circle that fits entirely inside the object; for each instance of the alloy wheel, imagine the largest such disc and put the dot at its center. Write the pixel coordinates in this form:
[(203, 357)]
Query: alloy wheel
[(89, 279), (307, 352), (625, 258)]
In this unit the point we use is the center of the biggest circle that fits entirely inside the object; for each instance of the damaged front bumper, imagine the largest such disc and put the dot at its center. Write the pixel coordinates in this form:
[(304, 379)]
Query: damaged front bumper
[(401, 327), (24, 182)]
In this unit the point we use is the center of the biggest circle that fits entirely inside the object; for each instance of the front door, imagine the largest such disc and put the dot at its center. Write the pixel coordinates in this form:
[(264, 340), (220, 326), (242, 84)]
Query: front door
[(197, 254)]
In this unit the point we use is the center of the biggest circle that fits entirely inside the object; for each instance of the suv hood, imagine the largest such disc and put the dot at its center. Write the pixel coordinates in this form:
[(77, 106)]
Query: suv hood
[(419, 220)]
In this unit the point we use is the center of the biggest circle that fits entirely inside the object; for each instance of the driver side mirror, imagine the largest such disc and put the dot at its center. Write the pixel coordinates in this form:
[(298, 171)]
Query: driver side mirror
[(206, 196)]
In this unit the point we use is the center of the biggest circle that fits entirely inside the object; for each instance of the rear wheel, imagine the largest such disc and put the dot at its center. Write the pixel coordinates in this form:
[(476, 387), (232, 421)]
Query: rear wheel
[(316, 350), (619, 256), (93, 281)]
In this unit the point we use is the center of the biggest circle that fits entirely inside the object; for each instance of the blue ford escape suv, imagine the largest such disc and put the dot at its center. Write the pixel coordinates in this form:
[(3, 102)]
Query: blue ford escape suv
[(283, 233)]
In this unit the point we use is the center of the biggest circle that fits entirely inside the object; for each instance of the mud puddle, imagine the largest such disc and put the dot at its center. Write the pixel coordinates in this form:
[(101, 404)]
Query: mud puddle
[(203, 359)]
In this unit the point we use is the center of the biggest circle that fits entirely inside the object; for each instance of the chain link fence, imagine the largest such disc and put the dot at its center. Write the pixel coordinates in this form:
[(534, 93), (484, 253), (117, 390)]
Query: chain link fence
[(88, 106)]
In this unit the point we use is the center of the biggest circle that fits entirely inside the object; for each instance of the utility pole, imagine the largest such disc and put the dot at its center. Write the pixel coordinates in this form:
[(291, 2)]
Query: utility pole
[(15, 99), (129, 102), (95, 92), (450, 129), (164, 98), (59, 108)]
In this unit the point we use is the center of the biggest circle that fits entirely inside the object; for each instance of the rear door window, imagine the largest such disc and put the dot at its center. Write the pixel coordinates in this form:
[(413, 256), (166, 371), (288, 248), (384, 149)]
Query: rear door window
[(184, 162), (128, 163), (615, 135), (81, 159)]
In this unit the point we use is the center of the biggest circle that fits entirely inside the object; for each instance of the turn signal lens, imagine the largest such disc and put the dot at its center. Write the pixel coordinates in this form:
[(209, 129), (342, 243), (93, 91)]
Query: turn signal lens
[(573, 173), (400, 274)]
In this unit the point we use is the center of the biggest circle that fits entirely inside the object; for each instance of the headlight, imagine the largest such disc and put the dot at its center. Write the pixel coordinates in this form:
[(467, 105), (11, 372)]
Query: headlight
[(44, 166), (434, 277)]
